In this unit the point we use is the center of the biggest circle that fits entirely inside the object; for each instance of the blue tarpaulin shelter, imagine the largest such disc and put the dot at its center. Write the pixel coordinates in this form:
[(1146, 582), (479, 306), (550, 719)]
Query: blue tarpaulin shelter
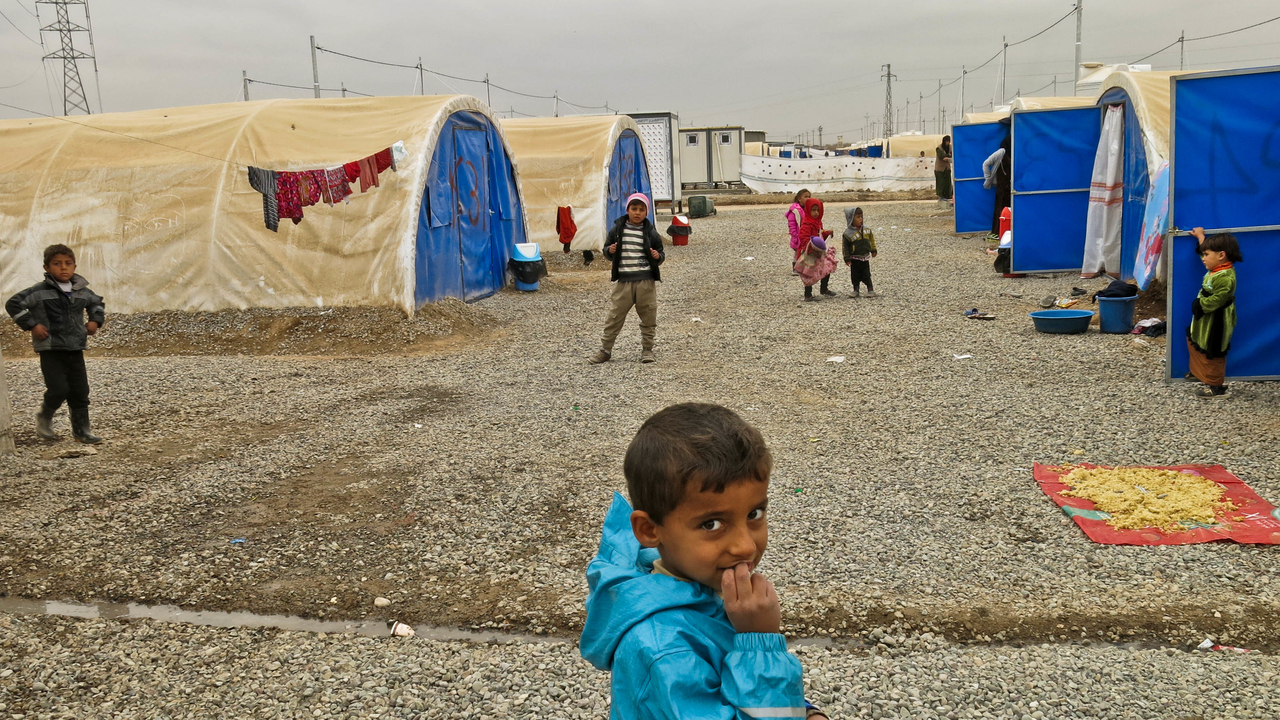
[(1053, 152), (1225, 162), (971, 145)]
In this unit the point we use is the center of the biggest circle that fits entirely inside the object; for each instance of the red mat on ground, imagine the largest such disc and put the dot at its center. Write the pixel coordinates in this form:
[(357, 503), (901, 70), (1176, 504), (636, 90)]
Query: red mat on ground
[(1261, 523)]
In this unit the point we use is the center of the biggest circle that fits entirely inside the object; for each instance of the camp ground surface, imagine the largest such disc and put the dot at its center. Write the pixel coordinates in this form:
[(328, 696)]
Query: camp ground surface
[(458, 464)]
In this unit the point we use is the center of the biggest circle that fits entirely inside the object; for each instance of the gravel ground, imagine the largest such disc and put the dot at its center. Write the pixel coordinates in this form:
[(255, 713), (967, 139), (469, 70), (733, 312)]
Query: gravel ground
[(466, 482), (66, 668)]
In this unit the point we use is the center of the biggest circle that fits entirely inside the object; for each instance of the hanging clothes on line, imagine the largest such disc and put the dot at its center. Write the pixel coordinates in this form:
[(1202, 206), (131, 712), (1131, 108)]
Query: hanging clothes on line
[(264, 181), (286, 193)]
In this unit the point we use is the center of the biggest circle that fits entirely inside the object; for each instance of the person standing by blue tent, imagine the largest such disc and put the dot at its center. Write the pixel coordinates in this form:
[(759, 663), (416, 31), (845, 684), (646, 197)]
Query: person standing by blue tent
[(997, 173)]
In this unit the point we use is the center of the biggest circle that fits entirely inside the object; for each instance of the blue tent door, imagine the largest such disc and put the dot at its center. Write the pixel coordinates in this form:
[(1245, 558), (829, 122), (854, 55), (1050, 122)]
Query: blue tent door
[(1225, 177), (471, 186), (628, 173), (1053, 152), (972, 145)]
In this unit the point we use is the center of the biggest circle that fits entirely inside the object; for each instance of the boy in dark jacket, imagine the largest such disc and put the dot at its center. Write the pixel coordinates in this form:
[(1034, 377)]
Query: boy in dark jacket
[(53, 312), (859, 247), (635, 249)]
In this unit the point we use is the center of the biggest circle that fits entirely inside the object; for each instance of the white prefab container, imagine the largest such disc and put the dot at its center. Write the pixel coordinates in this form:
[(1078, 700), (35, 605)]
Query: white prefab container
[(711, 155), (659, 133)]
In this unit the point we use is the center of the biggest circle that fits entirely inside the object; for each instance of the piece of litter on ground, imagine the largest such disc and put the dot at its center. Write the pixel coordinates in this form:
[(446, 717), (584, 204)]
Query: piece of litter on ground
[(238, 541), (697, 319), (748, 258), (893, 227), (799, 490), (417, 425), (399, 629), (68, 454), (836, 358), (1210, 645), (813, 439), (961, 357), (753, 408)]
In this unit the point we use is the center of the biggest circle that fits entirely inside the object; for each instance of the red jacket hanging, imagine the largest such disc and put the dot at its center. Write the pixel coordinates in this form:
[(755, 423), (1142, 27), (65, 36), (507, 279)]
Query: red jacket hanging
[(565, 226)]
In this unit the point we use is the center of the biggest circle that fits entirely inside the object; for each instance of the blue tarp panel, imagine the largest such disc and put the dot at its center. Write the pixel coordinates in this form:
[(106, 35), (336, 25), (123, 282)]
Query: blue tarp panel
[(878, 151), (1137, 181), (1227, 142), (628, 173), (1226, 175), (971, 146), (1053, 153), (1255, 345), (470, 217)]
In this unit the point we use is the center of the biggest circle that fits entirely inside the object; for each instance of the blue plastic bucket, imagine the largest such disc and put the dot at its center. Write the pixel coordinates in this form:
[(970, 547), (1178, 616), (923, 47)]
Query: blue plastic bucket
[(526, 287), (1115, 315)]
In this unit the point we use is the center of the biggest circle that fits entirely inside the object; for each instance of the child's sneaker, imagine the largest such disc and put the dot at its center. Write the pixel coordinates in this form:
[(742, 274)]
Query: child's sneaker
[(871, 293), (1211, 391), (855, 294), (811, 298), (829, 293)]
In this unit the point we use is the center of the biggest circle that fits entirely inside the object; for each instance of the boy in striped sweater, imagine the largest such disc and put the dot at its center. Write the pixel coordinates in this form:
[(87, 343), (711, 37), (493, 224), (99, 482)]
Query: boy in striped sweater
[(635, 249)]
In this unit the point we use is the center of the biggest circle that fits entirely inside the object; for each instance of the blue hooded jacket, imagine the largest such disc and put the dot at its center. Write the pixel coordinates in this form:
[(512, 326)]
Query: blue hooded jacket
[(669, 644)]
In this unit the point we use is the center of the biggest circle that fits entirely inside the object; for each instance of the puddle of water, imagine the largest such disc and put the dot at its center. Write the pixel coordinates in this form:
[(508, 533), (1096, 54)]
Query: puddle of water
[(174, 614)]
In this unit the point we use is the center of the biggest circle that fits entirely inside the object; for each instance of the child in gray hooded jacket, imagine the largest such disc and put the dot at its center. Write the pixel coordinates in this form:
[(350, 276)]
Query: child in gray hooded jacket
[(859, 247)]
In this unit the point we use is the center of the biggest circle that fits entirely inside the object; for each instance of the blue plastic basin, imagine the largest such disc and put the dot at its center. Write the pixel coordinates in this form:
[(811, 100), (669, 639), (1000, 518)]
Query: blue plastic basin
[(1062, 322)]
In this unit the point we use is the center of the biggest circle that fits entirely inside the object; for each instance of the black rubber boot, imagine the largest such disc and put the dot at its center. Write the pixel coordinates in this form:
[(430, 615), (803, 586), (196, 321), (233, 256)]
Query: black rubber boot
[(80, 427), (44, 424)]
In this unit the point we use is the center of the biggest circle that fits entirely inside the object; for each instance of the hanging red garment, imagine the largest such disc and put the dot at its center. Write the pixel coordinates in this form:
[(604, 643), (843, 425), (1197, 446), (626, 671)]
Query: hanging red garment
[(288, 197), (368, 173), (353, 171), (339, 185), (382, 160), (309, 188), (565, 226)]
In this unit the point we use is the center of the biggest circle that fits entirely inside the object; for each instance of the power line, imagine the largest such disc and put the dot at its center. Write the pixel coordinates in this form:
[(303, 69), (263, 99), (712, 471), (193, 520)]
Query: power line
[(1055, 24), (307, 87), (1230, 32), (29, 11), (15, 27), (479, 81), (1206, 37)]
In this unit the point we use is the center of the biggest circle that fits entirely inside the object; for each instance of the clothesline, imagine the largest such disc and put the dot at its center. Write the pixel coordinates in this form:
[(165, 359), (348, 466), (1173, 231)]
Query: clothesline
[(285, 193)]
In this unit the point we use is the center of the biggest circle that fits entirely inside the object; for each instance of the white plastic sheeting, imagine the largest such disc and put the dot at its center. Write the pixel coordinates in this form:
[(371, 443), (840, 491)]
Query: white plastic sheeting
[(1106, 198), (789, 175)]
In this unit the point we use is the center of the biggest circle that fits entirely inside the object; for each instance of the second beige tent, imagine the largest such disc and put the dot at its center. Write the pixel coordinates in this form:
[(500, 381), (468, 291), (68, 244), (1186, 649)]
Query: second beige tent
[(588, 164)]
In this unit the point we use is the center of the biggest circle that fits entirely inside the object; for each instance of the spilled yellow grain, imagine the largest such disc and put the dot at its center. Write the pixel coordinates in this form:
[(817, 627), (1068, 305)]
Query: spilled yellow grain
[(1138, 498)]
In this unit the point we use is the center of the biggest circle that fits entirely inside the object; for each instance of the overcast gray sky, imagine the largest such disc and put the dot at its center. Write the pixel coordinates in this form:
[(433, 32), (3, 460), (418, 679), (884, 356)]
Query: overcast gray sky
[(780, 67)]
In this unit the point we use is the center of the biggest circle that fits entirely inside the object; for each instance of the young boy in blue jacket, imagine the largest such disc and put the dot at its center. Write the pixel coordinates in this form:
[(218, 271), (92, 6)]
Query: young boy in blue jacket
[(675, 611)]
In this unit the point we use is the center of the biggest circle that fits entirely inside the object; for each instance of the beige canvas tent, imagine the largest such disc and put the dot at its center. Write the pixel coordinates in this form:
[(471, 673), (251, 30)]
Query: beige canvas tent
[(159, 210), (589, 164), (907, 146), (1050, 103)]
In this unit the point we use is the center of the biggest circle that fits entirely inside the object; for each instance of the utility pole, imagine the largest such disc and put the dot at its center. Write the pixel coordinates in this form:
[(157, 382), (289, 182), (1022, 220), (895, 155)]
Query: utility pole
[(939, 107), (422, 81), (888, 77), (315, 69), (1075, 88), (1182, 51), (73, 95), (343, 85), (866, 122), (1055, 86), (488, 93), (819, 136), (1004, 68), (244, 76), (920, 113), (963, 72), (556, 96)]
